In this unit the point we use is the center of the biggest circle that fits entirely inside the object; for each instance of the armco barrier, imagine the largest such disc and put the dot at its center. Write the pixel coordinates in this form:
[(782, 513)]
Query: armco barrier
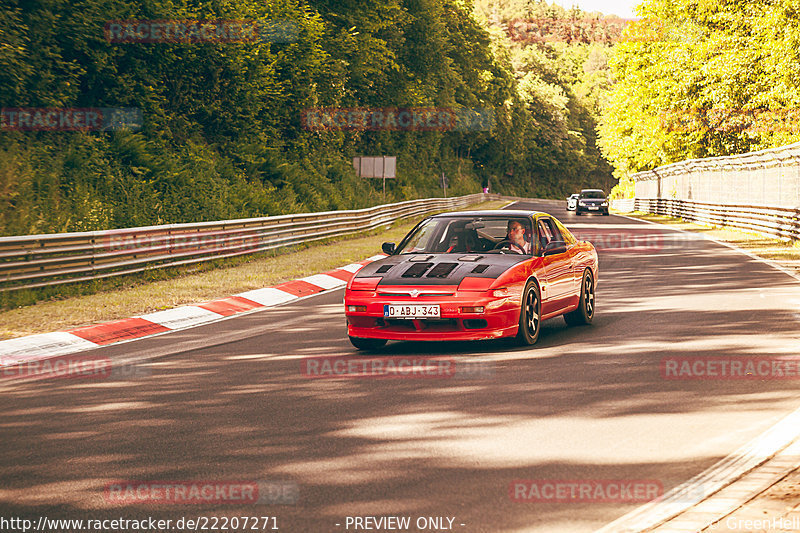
[(40, 260), (625, 205), (775, 221)]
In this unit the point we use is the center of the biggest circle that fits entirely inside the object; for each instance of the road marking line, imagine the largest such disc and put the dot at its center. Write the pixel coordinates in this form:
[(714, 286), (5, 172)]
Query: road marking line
[(41, 346), (352, 267), (343, 275), (182, 317), (267, 296), (111, 332), (230, 306), (299, 288), (324, 281), (708, 483), (46, 345), (769, 262)]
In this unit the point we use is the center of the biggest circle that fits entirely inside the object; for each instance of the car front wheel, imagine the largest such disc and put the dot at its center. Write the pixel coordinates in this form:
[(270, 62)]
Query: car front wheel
[(367, 344), (585, 311), (530, 315)]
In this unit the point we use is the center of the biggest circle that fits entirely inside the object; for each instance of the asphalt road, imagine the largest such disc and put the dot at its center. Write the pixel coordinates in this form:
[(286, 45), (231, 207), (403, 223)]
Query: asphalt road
[(228, 401)]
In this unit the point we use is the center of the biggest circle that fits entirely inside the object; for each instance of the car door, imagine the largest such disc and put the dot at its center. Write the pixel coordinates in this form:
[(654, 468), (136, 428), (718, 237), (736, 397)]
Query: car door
[(574, 256), (559, 269)]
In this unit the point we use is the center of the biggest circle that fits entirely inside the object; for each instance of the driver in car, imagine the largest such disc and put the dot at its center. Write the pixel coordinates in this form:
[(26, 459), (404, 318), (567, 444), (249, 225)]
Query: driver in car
[(516, 238)]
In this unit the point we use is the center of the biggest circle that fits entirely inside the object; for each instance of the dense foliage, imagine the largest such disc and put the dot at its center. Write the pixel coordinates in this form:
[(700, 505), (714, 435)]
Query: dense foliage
[(703, 78), (558, 58), (222, 134)]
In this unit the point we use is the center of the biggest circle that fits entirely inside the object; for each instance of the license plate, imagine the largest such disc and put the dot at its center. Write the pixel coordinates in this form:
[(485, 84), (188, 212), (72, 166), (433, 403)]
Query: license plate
[(411, 311), (593, 208)]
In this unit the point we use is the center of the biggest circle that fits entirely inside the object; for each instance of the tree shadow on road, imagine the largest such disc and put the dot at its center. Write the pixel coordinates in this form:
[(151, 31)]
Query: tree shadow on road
[(584, 403)]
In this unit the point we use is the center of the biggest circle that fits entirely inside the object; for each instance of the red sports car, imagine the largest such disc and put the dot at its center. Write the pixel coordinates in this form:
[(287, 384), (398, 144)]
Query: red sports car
[(473, 275)]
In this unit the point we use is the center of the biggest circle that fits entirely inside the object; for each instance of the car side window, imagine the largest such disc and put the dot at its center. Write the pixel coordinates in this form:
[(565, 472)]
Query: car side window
[(569, 238), (544, 234), (548, 232)]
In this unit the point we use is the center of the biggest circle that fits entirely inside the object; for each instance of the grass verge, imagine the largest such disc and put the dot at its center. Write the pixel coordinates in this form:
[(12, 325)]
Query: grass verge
[(783, 251), (129, 296)]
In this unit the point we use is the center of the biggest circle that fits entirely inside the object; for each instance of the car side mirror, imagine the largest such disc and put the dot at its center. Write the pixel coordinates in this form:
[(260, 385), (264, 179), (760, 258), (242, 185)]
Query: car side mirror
[(388, 248), (554, 247)]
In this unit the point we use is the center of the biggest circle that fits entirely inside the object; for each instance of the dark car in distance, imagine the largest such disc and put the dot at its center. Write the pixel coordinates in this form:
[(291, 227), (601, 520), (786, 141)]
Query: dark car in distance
[(592, 201)]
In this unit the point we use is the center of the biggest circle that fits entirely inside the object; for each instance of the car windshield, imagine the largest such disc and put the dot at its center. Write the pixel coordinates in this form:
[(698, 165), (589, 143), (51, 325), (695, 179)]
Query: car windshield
[(462, 234), (593, 194)]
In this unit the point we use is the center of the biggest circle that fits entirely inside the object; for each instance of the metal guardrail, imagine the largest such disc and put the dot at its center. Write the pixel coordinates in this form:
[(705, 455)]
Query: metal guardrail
[(32, 261), (775, 221), (626, 205)]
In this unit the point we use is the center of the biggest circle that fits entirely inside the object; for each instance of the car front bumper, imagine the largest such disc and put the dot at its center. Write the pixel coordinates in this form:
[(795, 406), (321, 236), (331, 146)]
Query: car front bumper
[(500, 317), (587, 209)]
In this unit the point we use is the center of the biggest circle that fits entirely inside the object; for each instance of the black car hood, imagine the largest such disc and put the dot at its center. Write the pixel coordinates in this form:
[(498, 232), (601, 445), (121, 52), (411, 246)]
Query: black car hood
[(439, 269)]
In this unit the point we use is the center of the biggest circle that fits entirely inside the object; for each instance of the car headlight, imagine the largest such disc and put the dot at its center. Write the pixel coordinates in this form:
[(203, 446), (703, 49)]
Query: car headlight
[(604, 203)]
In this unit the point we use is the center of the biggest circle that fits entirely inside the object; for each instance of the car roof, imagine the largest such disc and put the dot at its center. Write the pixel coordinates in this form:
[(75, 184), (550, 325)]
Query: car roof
[(495, 213), (593, 190)]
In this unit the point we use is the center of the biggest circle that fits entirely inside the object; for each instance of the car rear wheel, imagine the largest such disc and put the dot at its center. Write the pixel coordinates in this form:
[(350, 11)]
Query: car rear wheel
[(585, 311), (530, 316), (367, 344)]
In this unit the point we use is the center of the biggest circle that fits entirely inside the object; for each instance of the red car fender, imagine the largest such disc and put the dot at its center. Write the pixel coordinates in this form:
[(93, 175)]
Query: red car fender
[(516, 277)]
